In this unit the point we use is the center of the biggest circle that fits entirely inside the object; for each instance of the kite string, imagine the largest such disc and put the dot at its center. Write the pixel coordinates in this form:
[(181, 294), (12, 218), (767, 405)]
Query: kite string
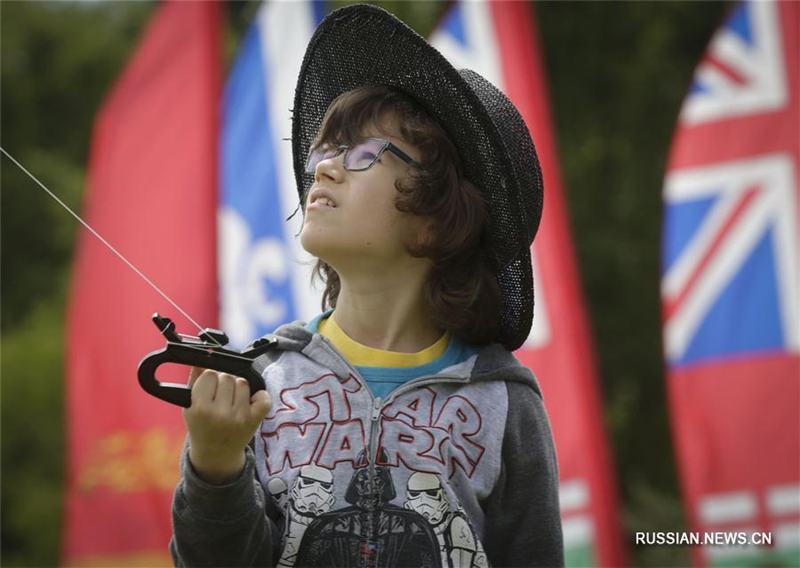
[(107, 244)]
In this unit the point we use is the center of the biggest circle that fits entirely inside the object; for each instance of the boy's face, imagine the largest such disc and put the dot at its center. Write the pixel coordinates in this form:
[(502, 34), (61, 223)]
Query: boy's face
[(351, 215)]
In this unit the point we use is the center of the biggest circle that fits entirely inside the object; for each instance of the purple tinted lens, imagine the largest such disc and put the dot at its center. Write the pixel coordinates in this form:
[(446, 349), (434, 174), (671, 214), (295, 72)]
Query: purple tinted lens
[(363, 155), (317, 155)]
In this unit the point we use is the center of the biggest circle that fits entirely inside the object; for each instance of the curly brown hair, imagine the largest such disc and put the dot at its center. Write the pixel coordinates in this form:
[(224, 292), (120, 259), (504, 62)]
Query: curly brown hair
[(461, 290)]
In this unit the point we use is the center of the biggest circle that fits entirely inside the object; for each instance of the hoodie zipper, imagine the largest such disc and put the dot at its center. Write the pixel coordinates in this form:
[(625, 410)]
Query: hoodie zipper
[(370, 542), (374, 428)]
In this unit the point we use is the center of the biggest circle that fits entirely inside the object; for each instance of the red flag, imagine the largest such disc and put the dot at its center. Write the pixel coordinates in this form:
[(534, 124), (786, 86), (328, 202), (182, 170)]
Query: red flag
[(730, 289), (151, 193), (560, 349), (500, 41)]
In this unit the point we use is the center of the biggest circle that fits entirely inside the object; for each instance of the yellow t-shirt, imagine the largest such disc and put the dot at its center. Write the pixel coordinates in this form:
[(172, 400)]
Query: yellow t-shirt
[(385, 370), (359, 354)]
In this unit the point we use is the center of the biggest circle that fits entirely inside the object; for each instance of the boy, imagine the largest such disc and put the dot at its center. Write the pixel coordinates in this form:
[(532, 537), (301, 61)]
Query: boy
[(396, 429)]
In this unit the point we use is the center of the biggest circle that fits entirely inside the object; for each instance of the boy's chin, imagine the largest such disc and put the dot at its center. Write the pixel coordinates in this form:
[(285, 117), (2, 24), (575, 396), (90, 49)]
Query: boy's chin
[(317, 245)]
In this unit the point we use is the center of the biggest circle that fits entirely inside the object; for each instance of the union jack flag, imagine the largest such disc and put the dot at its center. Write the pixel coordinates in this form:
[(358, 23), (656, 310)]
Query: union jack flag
[(731, 285), (729, 253), (730, 258)]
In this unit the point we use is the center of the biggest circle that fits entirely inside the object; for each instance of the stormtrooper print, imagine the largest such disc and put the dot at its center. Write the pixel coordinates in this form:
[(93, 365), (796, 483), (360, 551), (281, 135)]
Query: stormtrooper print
[(458, 544), (280, 493), (423, 532), (311, 495)]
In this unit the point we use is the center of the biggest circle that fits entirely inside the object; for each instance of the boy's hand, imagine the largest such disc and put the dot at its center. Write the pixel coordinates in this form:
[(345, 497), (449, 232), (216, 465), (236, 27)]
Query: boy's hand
[(221, 421)]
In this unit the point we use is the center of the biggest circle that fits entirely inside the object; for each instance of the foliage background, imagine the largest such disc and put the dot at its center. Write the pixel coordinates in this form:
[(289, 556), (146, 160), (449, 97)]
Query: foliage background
[(617, 74)]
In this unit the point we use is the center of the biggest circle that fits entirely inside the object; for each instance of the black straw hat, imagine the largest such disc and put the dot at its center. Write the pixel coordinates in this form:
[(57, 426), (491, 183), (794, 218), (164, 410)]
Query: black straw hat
[(363, 45)]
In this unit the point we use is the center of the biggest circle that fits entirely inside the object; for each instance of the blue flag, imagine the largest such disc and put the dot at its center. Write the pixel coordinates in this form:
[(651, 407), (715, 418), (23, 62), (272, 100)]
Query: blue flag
[(265, 276)]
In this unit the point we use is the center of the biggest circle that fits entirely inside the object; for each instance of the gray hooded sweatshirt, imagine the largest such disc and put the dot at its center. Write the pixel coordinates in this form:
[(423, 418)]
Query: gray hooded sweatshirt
[(455, 469)]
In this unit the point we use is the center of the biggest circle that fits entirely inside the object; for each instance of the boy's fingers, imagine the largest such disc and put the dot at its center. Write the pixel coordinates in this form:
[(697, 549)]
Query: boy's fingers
[(193, 374), (204, 386), (241, 395), (226, 389), (260, 404)]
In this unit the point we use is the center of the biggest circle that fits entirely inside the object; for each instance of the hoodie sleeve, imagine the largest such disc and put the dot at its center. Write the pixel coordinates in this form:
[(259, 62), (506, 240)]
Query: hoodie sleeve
[(221, 525), (523, 522)]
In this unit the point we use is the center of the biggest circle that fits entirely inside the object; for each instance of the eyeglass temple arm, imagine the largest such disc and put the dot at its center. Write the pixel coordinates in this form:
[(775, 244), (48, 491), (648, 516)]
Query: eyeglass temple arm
[(403, 156)]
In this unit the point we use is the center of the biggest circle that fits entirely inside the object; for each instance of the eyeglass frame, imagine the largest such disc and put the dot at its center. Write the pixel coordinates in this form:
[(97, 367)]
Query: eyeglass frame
[(386, 145)]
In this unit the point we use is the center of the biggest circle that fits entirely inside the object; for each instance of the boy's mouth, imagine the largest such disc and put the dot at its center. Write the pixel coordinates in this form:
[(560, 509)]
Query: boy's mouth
[(325, 201), (321, 198)]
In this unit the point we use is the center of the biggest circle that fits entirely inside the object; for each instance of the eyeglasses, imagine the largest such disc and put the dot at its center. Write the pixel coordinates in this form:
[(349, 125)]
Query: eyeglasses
[(357, 158)]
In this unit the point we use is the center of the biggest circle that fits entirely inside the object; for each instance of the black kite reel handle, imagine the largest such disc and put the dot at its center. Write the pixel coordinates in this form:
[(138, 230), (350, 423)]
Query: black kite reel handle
[(206, 351)]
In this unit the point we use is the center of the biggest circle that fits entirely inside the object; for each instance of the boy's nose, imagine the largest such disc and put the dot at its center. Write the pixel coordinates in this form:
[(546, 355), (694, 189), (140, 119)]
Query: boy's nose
[(331, 168)]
